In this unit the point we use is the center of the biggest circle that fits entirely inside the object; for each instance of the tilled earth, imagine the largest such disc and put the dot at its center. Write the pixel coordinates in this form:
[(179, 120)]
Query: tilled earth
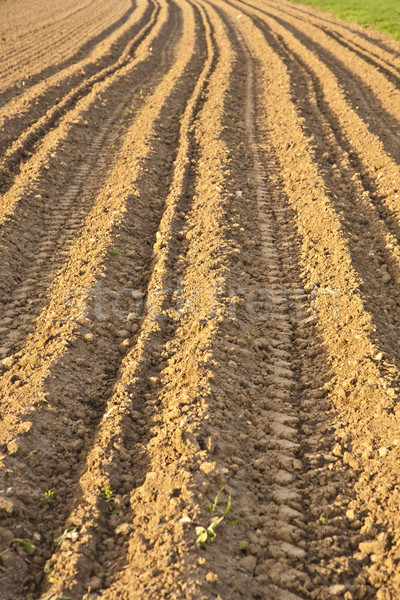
[(199, 289)]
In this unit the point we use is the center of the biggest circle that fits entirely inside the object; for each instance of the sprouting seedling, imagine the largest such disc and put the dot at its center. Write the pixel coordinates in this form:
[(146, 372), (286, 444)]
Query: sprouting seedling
[(323, 520), (208, 533), (46, 499), (68, 534), (52, 596), (1, 555), (252, 335), (213, 506), (47, 568), (115, 251), (92, 396), (25, 543), (109, 497), (3, 38)]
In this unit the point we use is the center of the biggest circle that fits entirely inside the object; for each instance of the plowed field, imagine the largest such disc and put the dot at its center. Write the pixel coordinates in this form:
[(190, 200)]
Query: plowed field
[(199, 289)]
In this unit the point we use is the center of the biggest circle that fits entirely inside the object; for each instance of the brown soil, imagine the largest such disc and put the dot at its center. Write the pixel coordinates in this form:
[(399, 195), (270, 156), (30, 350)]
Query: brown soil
[(199, 289)]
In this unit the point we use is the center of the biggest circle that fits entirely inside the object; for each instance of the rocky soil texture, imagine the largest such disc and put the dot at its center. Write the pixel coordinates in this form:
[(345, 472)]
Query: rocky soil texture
[(199, 289)]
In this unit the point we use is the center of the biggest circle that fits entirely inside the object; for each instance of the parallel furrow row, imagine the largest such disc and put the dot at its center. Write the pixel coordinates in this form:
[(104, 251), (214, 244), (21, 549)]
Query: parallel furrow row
[(26, 59), (121, 457), (199, 272), (354, 75), (371, 51), (38, 124), (340, 284), (29, 267), (372, 41), (164, 97)]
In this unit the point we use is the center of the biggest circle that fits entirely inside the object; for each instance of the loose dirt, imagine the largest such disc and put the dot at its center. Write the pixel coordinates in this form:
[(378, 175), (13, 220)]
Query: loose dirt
[(199, 291)]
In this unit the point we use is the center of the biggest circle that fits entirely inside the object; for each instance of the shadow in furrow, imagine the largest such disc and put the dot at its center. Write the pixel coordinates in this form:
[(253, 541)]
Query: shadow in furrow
[(358, 30), (323, 489), (87, 384), (357, 93), (24, 135), (358, 214), (11, 92), (352, 45), (44, 238)]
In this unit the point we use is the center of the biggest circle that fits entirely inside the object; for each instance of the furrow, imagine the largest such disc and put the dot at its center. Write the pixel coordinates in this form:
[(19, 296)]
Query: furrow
[(35, 91), (199, 304), (129, 410), (265, 462), (141, 142), (385, 65), (335, 284), (46, 232), (378, 170), (351, 197), (37, 24), (368, 91), (62, 222), (383, 61), (268, 466), (286, 549), (86, 28), (36, 123), (372, 41), (41, 161)]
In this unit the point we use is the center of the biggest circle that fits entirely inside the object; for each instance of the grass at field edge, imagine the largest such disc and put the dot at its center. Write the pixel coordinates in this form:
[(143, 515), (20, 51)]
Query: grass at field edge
[(383, 15)]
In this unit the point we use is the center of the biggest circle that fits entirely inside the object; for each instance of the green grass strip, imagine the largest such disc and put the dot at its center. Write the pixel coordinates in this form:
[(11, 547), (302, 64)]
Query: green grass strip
[(383, 15)]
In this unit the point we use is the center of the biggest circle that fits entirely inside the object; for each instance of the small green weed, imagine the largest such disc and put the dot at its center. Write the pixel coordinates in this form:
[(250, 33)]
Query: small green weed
[(208, 533), (47, 568), (2, 554), (115, 251), (46, 499), (323, 520), (68, 534), (25, 543), (92, 397), (109, 497), (252, 336)]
